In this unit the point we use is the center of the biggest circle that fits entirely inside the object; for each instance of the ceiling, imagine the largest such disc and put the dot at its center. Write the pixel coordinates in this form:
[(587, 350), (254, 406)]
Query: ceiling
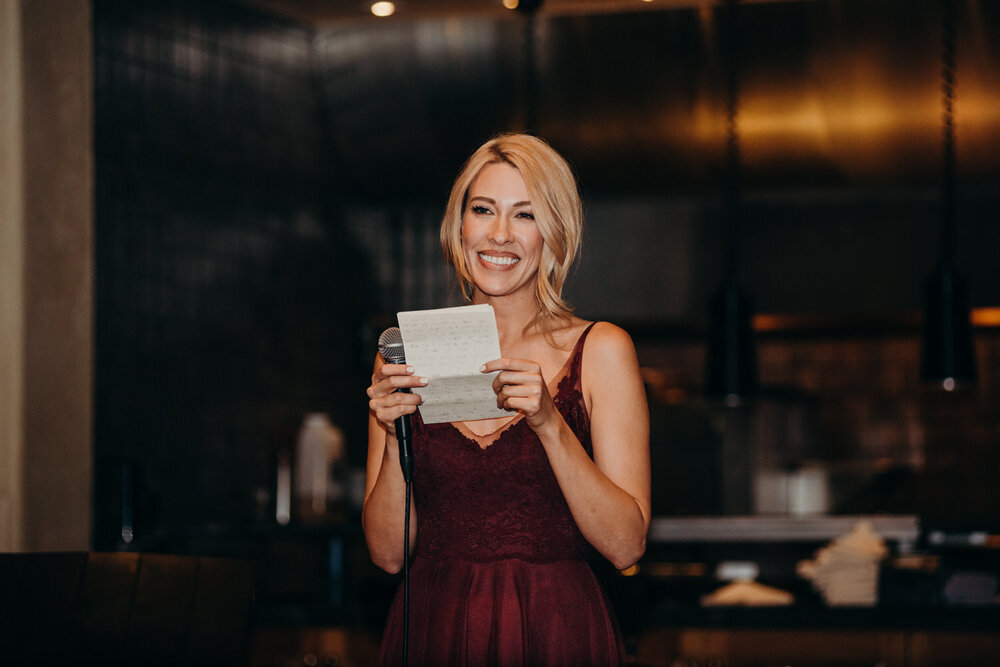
[(320, 13), (839, 93)]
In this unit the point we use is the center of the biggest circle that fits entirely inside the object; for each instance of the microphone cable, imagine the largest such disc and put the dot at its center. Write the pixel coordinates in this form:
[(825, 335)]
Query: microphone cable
[(406, 574), (390, 346)]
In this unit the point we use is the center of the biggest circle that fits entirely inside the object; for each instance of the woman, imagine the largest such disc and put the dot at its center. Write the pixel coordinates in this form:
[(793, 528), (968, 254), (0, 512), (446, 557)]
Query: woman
[(504, 509)]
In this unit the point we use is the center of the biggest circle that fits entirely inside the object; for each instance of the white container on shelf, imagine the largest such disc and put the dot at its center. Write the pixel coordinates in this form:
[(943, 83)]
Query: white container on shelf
[(801, 492), (319, 447)]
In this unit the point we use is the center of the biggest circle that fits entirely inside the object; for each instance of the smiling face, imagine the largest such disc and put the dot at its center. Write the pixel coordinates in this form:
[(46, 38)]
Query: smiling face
[(501, 241), (555, 205)]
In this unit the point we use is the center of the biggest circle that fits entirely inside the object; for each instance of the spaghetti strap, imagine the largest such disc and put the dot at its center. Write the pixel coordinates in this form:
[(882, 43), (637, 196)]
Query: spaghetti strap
[(569, 393), (576, 362)]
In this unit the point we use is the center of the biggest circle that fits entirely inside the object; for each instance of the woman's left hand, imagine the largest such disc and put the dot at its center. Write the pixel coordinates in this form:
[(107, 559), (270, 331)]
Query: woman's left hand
[(520, 387)]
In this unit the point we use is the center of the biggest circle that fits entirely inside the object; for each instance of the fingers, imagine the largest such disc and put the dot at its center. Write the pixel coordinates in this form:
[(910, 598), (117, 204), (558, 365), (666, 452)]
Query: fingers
[(511, 364), (519, 385), (386, 402), (390, 407), (392, 370), (527, 397), (514, 372), (390, 377), (517, 382), (393, 383)]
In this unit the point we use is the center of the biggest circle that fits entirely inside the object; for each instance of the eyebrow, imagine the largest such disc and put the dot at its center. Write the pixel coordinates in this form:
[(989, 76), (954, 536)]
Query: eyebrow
[(493, 201)]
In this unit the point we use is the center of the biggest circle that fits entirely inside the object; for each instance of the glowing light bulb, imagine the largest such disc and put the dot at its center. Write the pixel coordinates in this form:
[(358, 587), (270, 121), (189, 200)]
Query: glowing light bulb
[(383, 8)]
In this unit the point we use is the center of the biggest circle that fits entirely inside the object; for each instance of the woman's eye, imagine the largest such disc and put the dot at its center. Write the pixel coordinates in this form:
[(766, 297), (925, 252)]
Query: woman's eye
[(527, 215), (479, 210)]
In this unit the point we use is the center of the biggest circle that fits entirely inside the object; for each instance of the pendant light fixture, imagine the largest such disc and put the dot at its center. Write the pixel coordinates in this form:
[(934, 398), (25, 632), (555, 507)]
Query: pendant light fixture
[(947, 350), (731, 368), (529, 9)]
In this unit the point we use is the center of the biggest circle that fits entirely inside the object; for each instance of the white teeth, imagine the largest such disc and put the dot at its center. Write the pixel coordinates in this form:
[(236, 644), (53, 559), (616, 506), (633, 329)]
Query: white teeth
[(502, 261)]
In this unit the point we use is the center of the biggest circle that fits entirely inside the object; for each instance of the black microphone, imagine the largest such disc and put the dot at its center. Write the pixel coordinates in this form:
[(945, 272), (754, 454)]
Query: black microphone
[(390, 346)]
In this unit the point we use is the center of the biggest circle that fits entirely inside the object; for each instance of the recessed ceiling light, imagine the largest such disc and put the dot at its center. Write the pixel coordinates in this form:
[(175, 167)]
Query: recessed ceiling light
[(383, 8)]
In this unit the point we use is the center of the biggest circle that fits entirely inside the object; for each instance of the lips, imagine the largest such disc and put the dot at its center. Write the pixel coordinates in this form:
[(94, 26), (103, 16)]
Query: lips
[(498, 260)]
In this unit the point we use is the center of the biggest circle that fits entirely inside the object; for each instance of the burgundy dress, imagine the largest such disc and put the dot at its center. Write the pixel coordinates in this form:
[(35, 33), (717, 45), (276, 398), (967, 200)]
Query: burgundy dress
[(499, 576)]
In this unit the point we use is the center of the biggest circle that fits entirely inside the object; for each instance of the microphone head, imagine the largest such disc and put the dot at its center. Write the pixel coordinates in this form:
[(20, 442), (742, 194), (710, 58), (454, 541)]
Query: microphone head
[(390, 346)]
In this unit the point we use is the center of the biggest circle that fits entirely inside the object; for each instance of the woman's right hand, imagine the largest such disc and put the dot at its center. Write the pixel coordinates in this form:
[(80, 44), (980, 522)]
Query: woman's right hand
[(384, 401)]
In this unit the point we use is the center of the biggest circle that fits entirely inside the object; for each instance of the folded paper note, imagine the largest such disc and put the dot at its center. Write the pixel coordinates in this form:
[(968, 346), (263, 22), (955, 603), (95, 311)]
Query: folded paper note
[(448, 346)]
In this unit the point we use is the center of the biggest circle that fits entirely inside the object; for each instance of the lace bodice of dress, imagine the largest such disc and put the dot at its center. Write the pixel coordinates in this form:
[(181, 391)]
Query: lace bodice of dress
[(502, 500)]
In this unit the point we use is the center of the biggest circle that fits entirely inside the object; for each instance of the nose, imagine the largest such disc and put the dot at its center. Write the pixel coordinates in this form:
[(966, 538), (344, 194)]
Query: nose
[(500, 232)]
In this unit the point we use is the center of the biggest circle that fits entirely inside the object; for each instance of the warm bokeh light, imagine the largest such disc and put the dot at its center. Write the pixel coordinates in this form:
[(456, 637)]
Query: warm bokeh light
[(985, 317), (511, 4), (383, 8)]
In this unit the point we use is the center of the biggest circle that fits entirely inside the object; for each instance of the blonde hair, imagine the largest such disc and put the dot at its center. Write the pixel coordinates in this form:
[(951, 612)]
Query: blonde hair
[(555, 203)]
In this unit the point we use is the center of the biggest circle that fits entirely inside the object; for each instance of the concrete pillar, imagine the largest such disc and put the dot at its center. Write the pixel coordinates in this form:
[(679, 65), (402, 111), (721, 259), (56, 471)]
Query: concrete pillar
[(46, 274)]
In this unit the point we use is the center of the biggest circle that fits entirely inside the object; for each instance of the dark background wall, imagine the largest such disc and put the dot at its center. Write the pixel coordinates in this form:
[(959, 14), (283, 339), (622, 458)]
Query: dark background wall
[(229, 301), (268, 196)]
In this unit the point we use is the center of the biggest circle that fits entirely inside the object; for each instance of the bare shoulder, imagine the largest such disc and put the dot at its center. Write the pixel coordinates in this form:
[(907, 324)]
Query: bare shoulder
[(611, 375), (610, 364), (608, 343)]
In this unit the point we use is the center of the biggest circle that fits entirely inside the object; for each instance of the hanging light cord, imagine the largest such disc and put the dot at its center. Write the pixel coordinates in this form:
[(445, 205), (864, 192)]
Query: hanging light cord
[(948, 350), (948, 127), (734, 185), (531, 89)]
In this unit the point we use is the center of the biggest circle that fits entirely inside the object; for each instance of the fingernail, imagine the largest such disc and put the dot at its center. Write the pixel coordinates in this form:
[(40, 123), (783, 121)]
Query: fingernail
[(409, 369), (423, 380), (482, 368)]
